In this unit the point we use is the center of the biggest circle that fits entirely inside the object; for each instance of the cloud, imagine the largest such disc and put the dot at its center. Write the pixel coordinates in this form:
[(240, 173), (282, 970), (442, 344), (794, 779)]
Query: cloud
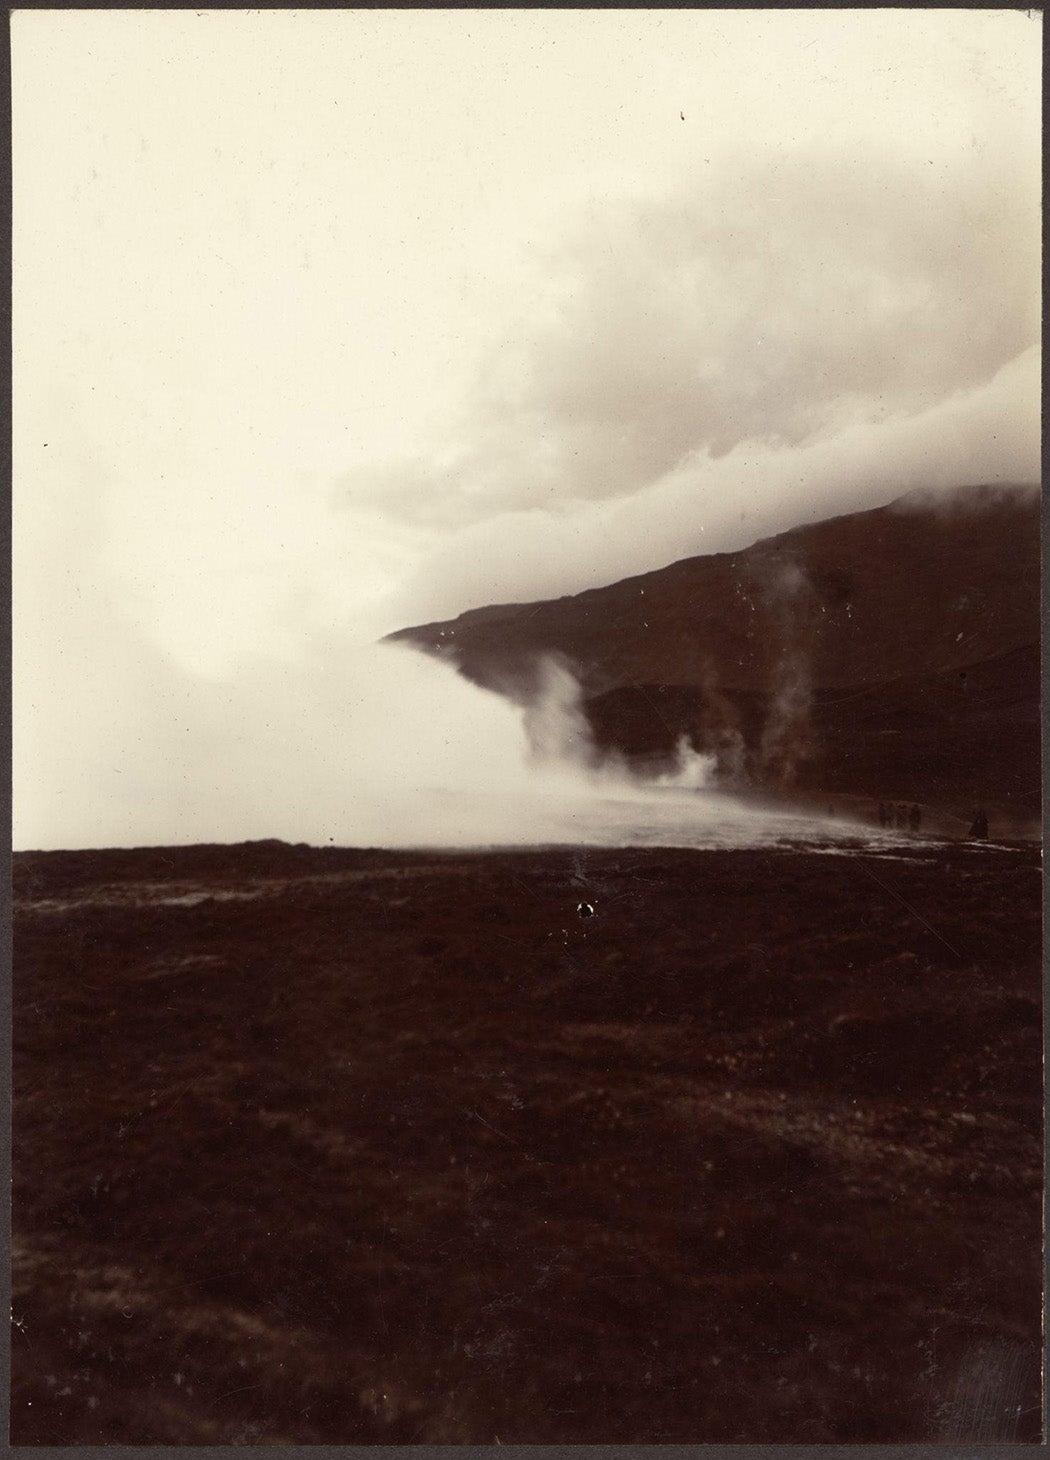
[(775, 303), (366, 746), (989, 434), (224, 301)]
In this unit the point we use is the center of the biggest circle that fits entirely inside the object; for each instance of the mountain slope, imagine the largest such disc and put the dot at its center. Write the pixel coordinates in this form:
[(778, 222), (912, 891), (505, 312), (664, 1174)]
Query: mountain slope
[(893, 652)]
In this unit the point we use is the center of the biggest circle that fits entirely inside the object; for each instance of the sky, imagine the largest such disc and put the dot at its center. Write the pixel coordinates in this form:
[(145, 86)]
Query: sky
[(326, 323)]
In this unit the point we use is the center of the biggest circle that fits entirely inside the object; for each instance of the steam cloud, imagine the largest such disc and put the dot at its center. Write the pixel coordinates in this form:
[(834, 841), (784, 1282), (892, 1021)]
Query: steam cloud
[(687, 365), (555, 724), (379, 746), (693, 770), (560, 739), (721, 732), (787, 739)]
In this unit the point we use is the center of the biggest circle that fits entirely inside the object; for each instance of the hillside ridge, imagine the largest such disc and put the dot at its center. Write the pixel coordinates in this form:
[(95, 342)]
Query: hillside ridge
[(927, 608)]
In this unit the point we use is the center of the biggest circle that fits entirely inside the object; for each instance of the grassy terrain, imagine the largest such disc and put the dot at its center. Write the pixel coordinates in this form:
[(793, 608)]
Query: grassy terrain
[(386, 1148)]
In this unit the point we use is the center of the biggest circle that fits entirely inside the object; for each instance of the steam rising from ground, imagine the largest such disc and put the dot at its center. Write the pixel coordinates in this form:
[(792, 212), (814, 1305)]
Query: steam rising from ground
[(555, 724), (532, 775), (787, 739), (381, 747), (694, 771), (560, 742), (543, 780)]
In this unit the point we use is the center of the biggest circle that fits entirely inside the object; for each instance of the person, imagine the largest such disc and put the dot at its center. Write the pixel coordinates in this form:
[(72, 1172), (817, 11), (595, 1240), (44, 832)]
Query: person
[(979, 829), (915, 817), (884, 815)]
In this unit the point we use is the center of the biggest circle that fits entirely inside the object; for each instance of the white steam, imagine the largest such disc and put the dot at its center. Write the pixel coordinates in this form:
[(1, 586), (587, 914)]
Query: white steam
[(556, 726), (370, 746), (787, 739), (694, 771), (560, 741), (375, 746)]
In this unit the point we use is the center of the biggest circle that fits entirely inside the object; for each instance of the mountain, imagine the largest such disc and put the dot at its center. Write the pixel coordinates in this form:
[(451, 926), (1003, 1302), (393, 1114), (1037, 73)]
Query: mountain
[(888, 653)]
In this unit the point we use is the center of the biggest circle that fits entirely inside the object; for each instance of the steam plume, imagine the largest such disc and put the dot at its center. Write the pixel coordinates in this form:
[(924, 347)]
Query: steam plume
[(556, 726), (787, 739)]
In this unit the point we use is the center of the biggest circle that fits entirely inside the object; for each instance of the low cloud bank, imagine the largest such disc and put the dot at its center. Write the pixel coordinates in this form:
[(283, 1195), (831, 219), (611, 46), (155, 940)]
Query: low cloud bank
[(990, 434)]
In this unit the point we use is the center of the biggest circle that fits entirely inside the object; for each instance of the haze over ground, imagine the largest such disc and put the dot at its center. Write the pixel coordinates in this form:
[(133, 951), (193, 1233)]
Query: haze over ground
[(328, 323)]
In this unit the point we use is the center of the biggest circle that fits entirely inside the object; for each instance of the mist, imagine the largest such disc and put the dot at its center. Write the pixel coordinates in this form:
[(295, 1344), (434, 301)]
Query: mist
[(374, 745), (377, 746), (330, 324)]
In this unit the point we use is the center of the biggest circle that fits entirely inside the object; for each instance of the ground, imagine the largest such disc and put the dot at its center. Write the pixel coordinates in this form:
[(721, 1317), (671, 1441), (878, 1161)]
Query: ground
[(584, 1146)]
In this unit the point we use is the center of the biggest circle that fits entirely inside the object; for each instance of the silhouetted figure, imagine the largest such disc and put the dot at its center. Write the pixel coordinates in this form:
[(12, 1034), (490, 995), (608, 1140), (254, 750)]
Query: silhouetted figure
[(902, 816), (979, 829), (915, 818), (884, 814)]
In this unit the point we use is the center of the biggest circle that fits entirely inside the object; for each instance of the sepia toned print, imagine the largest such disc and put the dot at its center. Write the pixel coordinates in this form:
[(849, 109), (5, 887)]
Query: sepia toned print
[(527, 871)]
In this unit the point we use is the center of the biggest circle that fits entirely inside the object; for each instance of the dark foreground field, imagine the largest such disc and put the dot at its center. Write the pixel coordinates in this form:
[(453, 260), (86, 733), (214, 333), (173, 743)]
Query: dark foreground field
[(383, 1148)]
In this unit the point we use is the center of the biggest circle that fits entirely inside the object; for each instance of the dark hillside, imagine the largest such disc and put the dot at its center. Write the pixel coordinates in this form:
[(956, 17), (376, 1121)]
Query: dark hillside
[(890, 652)]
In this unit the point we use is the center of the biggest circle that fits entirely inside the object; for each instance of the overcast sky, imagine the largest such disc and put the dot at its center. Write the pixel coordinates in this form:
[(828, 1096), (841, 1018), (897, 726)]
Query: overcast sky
[(330, 322)]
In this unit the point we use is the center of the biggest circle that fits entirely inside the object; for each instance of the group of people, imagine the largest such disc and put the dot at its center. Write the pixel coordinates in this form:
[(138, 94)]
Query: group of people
[(902, 816), (910, 818)]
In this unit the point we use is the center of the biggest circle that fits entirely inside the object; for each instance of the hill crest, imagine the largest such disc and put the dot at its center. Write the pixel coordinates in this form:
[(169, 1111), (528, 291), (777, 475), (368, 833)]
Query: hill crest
[(924, 614)]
